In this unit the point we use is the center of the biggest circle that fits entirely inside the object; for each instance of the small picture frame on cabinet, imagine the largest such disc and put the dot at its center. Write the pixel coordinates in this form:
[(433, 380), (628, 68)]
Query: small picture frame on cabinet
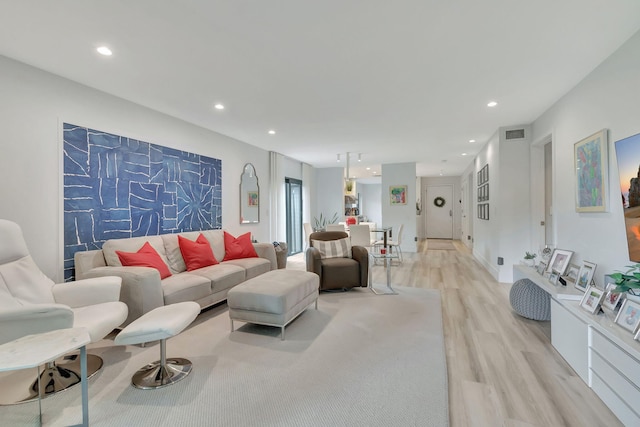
[(591, 299), (611, 299), (541, 267), (553, 277), (585, 276), (629, 315)]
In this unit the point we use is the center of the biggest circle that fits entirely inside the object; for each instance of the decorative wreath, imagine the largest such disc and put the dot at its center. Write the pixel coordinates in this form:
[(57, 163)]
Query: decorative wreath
[(439, 202)]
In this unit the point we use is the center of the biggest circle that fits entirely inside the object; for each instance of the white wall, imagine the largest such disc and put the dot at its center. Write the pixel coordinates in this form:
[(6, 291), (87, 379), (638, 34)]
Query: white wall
[(394, 215), (33, 106), (329, 193), (606, 98), (485, 232), (371, 199)]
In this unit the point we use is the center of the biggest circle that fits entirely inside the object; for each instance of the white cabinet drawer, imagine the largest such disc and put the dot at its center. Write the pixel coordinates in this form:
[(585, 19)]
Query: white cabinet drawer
[(617, 406), (623, 361), (627, 391), (570, 336)]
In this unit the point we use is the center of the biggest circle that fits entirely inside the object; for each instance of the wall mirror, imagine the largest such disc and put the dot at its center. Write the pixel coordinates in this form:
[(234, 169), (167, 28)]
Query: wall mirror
[(249, 196)]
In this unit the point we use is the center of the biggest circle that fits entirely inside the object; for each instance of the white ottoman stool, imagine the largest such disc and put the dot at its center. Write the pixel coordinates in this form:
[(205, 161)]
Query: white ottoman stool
[(159, 324), (275, 298)]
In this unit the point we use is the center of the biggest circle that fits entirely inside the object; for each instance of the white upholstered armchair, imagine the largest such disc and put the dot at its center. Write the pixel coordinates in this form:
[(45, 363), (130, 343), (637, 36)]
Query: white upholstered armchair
[(31, 303)]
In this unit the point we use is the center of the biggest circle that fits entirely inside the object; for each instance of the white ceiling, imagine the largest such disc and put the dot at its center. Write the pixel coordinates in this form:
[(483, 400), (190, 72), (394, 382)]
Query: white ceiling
[(398, 81)]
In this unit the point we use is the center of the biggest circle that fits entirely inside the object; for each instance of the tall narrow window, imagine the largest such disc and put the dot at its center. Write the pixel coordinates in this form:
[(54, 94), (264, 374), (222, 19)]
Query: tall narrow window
[(294, 215)]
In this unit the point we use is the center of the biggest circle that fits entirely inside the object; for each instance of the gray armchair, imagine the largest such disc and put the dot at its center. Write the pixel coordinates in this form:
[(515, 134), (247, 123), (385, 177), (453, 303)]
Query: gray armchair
[(30, 303), (338, 273)]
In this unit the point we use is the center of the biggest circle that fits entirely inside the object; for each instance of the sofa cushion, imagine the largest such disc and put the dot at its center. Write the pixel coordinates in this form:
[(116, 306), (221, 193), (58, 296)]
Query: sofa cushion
[(238, 247), (253, 266), (222, 276), (196, 254), (216, 240), (340, 248), (185, 287), (131, 244), (145, 257)]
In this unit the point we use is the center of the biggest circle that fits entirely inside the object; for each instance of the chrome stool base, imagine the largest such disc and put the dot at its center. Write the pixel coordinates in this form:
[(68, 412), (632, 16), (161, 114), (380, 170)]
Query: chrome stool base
[(158, 374), (56, 377)]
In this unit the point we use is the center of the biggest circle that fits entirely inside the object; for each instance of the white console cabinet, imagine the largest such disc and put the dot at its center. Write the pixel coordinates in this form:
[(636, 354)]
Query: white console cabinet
[(603, 354)]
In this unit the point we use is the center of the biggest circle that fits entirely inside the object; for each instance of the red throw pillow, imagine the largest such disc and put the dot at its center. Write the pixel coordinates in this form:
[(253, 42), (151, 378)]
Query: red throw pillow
[(196, 254), (145, 257), (240, 247)]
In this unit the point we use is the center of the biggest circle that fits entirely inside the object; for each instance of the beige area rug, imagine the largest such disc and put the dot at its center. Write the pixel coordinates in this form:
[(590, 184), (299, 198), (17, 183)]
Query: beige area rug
[(359, 360), (440, 245)]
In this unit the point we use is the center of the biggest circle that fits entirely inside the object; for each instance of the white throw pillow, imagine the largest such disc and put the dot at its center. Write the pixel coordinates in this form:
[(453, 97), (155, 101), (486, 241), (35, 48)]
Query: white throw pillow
[(340, 248)]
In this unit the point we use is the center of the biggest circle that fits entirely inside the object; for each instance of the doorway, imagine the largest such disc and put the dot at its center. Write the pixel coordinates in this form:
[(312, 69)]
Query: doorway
[(293, 191), (439, 211)]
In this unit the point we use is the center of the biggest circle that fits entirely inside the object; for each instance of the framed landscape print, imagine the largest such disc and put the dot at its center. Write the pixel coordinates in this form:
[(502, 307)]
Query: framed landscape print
[(585, 275), (559, 261), (591, 161), (629, 315), (591, 299)]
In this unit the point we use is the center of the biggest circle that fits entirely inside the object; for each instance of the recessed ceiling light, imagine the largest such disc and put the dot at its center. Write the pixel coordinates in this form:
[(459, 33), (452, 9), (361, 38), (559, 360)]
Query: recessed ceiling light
[(271, 132), (492, 104), (103, 50), (368, 169), (472, 140), (219, 107), (464, 154)]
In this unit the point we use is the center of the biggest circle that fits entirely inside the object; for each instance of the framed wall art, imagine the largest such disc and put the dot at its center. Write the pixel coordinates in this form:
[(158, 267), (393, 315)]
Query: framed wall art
[(398, 194), (591, 160)]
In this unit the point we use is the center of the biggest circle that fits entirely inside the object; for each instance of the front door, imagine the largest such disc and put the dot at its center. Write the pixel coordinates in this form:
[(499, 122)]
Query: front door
[(439, 208)]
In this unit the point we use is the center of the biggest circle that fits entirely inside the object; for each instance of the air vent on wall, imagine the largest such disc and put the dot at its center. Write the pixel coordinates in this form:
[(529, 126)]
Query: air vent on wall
[(514, 134)]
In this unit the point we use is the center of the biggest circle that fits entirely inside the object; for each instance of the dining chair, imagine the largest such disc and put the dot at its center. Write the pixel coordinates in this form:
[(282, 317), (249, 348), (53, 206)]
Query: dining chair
[(394, 243), (307, 232), (360, 235), (335, 227)]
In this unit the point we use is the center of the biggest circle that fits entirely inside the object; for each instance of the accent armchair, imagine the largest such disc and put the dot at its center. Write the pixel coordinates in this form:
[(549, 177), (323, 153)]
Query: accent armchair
[(337, 272), (30, 303)]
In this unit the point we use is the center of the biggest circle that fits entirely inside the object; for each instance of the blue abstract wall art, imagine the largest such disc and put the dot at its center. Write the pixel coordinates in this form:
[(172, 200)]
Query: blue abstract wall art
[(117, 187)]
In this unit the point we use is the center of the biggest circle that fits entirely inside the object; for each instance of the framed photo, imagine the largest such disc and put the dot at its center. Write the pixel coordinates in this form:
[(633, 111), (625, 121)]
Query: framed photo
[(541, 267), (591, 299), (559, 261), (252, 198), (591, 160), (398, 194), (611, 299), (572, 273), (553, 278), (629, 315), (585, 275)]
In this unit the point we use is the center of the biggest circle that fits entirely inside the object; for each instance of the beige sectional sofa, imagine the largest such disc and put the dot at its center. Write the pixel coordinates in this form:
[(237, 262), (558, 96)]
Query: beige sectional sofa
[(142, 290)]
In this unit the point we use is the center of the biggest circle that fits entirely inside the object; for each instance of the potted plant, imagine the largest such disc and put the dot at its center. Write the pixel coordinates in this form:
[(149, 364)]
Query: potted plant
[(628, 281), (529, 258), (319, 224)]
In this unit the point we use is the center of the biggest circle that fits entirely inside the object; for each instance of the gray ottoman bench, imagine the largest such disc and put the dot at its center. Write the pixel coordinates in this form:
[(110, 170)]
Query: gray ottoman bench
[(530, 301), (275, 298)]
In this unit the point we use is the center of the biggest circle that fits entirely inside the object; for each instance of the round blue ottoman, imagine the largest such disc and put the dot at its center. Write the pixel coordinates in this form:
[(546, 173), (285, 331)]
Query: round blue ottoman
[(529, 301)]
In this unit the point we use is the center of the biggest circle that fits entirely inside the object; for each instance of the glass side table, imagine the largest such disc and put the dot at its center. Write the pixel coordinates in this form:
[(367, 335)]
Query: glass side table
[(32, 351), (386, 257)]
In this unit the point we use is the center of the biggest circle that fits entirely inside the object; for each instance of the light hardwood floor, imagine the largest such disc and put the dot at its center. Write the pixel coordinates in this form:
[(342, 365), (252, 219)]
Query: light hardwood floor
[(502, 368)]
